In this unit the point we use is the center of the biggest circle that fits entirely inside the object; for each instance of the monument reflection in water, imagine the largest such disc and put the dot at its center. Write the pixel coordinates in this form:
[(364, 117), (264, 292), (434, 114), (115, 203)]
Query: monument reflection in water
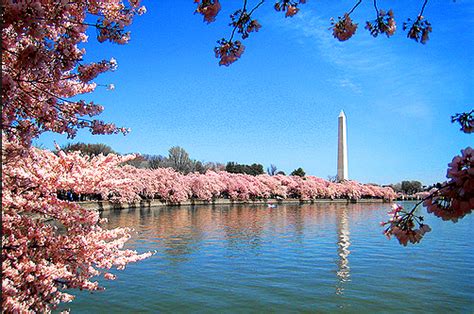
[(343, 243)]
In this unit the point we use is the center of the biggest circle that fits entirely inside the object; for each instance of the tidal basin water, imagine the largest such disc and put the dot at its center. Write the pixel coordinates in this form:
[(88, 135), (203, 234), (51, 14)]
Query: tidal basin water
[(294, 258)]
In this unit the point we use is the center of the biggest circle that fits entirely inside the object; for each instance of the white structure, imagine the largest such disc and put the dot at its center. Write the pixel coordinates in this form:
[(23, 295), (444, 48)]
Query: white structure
[(342, 148)]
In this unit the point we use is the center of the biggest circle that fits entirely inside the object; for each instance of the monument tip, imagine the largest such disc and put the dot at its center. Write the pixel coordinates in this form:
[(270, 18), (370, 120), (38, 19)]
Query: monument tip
[(342, 114)]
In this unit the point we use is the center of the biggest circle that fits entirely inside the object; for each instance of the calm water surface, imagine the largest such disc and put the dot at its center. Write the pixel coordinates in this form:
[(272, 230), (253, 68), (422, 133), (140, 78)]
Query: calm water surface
[(309, 258)]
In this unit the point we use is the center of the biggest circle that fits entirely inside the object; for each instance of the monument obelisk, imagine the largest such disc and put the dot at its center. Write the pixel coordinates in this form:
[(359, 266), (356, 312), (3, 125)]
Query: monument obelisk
[(342, 148)]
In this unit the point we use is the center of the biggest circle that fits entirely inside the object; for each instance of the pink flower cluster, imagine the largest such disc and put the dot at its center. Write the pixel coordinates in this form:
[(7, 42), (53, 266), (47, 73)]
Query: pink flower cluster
[(402, 226), (208, 8), (50, 245), (384, 24), (242, 21), (344, 28), (88, 72), (419, 30), (455, 198), (466, 120), (290, 6), (228, 51)]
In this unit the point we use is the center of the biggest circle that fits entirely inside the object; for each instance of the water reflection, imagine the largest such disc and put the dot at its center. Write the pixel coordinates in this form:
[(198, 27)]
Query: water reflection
[(243, 227), (180, 232), (343, 243), (318, 258)]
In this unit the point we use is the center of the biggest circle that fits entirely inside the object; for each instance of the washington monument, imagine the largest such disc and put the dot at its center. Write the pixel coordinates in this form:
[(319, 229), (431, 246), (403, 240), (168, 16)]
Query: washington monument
[(342, 148)]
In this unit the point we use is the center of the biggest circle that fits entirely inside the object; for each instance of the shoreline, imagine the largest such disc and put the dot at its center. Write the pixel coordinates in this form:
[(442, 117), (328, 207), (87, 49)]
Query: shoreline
[(106, 205)]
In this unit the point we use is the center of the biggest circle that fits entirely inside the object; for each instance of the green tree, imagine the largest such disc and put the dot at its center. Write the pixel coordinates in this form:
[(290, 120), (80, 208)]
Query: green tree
[(298, 172), (256, 169), (253, 169), (199, 166), (89, 149), (411, 187)]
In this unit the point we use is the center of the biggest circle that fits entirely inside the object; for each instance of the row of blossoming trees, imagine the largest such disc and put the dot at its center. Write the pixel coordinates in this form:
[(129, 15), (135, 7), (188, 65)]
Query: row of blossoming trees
[(130, 184)]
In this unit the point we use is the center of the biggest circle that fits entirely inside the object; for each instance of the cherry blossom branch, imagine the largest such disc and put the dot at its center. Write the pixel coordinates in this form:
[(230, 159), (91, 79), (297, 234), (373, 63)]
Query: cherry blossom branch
[(431, 195), (10, 247), (354, 7), (384, 22), (466, 120), (344, 28), (420, 28), (48, 93), (230, 51), (376, 8), (244, 9), (256, 7), (46, 82), (242, 14), (452, 201), (9, 51), (423, 7)]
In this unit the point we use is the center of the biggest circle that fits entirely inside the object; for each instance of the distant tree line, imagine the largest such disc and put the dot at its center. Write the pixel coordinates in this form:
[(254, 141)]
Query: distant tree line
[(408, 187), (179, 160)]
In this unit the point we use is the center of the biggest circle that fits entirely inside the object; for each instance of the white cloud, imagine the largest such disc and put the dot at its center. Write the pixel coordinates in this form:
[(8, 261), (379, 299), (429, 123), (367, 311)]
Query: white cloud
[(366, 65), (419, 110), (348, 83), (350, 59)]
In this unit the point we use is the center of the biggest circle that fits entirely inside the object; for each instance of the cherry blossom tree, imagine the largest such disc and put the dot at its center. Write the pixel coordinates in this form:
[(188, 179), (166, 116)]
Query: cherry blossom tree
[(43, 68), (50, 245)]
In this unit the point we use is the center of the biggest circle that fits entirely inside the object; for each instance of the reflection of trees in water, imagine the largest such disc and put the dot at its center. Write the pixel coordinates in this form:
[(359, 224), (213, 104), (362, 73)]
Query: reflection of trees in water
[(289, 219), (179, 232), (243, 226), (343, 243), (297, 221), (176, 231)]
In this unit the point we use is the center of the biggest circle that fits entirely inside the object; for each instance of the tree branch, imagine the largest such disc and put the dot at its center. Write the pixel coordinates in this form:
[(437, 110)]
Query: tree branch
[(376, 8), (355, 6), (244, 9), (423, 8)]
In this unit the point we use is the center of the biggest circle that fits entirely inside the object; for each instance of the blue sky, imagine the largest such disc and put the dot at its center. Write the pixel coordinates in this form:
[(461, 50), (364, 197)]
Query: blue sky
[(280, 102)]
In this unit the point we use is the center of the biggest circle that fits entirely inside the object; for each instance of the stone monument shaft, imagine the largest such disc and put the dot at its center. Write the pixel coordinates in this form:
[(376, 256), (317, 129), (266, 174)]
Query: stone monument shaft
[(342, 148)]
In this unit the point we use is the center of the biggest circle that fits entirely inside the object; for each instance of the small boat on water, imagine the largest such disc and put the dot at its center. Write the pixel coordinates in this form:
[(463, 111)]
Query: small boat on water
[(271, 205)]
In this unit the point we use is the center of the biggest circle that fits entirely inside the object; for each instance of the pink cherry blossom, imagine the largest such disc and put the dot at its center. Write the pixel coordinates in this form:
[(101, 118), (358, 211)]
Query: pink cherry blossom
[(209, 9), (41, 69), (40, 260), (344, 28)]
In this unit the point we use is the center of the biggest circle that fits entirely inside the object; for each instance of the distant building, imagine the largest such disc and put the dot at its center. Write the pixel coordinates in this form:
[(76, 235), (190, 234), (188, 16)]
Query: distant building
[(342, 148)]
